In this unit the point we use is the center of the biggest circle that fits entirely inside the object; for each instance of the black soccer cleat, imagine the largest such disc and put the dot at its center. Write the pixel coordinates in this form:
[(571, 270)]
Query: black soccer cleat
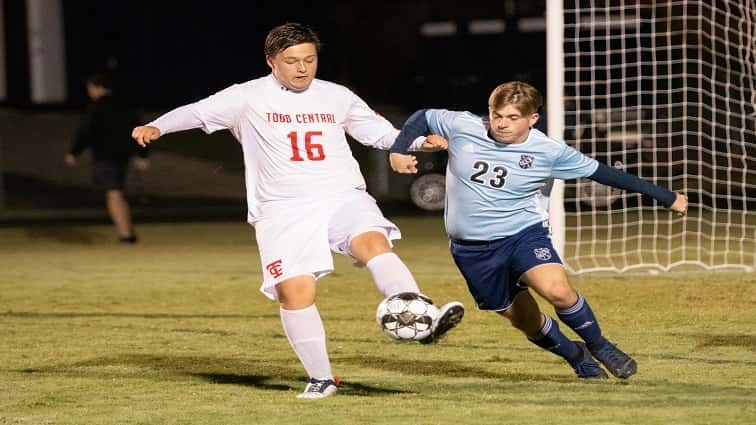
[(450, 316), (616, 362), (585, 366)]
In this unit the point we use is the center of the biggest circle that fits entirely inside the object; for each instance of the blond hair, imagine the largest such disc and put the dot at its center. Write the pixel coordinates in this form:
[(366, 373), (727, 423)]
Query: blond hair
[(521, 95)]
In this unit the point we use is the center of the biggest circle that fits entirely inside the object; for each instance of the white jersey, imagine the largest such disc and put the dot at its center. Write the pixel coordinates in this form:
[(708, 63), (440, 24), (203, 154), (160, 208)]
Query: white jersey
[(294, 143)]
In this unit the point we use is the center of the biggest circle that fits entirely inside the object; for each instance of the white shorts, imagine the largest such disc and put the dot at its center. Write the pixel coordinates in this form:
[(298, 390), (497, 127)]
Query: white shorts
[(296, 239)]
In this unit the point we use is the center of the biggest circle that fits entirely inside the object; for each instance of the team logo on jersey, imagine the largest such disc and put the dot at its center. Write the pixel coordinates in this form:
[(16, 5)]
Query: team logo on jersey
[(526, 161), (542, 254), (274, 269)]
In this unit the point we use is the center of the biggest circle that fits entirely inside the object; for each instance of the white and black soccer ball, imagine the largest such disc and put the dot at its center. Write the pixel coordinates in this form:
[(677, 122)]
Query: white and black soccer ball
[(598, 195), (407, 316), (429, 191)]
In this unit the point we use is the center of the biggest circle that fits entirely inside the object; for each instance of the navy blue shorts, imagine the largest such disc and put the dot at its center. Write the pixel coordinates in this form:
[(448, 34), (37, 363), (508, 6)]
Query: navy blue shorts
[(493, 269), (110, 174)]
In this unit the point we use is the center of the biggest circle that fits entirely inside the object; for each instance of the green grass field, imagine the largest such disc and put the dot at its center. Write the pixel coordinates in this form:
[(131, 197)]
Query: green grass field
[(174, 331)]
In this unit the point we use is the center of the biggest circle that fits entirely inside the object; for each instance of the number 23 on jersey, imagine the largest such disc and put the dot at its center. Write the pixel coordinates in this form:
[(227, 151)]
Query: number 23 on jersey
[(496, 178)]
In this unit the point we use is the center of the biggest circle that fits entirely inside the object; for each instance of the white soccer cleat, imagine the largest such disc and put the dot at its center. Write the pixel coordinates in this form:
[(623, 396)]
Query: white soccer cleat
[(320, 388)]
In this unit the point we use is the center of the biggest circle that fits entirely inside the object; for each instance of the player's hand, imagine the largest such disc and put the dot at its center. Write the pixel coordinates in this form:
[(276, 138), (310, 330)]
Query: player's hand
[(434, 143), (403, 164), (141, 163), (144, 134), (69, 159), (680, 206)]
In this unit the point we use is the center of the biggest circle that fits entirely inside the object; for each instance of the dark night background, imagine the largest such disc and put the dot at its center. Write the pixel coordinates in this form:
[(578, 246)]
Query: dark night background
[(166, 54), (171, 53)]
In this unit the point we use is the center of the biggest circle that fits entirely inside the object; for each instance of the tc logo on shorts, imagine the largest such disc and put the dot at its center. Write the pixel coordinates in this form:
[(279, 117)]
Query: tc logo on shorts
[(542, 254), (526, 161), (274, 268)]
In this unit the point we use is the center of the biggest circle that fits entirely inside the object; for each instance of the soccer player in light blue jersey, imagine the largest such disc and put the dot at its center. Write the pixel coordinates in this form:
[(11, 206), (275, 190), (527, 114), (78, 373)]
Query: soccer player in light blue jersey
[(499, 230)]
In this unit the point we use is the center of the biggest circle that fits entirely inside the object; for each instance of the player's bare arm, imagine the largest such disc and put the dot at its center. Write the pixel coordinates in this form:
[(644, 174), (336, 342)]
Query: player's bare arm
[(416, 126), (680, 206), (144, 134), (407, 164), (434, 143), (70, 160), (403, 164)]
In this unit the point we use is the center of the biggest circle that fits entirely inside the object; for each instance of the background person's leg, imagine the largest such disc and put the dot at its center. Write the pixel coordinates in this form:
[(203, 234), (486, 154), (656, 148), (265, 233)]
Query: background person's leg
[(120, 214)]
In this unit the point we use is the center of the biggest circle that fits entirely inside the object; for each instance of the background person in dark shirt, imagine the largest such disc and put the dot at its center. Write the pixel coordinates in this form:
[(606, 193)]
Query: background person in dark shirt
[(105, 127)]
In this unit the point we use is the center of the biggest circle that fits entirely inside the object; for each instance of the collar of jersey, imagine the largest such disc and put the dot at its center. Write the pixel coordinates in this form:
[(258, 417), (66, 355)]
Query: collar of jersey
[(527, 139), (283, 88)]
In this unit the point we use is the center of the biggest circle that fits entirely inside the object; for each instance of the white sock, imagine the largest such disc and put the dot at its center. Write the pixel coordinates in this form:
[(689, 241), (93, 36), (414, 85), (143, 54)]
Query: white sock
[(306, 334), (390, 274)]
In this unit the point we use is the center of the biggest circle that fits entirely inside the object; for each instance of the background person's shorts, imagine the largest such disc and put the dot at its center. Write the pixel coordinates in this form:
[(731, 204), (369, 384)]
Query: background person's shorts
[(110, 174)]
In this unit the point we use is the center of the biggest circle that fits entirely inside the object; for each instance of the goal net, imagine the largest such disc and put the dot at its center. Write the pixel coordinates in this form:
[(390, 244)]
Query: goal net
[(665, 90)]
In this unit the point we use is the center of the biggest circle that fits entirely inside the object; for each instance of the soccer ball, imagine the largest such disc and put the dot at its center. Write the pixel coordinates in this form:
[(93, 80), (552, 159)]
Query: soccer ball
[(597, 195), (407, 316), (429, 191)]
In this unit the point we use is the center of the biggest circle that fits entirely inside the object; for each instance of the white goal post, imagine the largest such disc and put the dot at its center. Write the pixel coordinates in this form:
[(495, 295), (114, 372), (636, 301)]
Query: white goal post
[(665, 90)]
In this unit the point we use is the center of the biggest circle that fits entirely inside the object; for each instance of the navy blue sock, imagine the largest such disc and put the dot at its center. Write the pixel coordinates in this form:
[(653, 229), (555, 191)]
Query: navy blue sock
[(580, 319), (552, 339)]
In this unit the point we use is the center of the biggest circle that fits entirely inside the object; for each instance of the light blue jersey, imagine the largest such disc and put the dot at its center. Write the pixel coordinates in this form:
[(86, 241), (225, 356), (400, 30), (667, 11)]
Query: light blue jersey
[(492, 189)]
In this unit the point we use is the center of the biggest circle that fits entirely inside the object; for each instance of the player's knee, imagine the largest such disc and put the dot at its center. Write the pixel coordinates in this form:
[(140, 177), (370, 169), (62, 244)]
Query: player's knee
[(368, 245), (296, 293), (561, 294)]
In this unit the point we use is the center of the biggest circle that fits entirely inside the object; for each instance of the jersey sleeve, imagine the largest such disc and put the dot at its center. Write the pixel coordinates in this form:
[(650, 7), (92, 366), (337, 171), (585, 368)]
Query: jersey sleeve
[(571, 164), (441, 121), (217, 112), (221, 110), (367, 126)]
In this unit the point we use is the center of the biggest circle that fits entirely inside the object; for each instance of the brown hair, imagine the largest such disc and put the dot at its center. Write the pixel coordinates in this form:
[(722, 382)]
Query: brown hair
[(289, 34), (523, 96)]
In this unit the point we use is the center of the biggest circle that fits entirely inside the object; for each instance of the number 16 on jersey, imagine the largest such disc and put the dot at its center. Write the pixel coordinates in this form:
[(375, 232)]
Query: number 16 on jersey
[(314, 150)]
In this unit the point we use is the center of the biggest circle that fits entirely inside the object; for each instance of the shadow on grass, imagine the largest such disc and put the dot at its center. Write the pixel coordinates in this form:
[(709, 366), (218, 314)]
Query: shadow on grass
[(725, 340), (267, 374), (449, 368), (27, 314), (64, 235), (257, 381), (704, 341), (261, 382), (275, 377)]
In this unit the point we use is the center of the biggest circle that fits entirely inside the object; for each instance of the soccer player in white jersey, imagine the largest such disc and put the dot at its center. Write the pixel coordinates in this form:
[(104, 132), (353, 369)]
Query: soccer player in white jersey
[(305, 193), (499, 229)]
